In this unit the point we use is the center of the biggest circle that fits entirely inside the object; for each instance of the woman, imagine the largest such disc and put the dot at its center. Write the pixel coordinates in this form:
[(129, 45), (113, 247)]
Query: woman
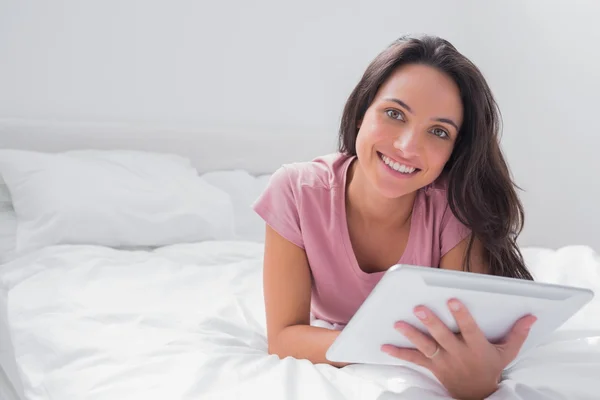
[(419, 179)]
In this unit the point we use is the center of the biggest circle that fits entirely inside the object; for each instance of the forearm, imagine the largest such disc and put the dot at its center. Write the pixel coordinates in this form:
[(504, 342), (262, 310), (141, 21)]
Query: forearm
[(304, 342)]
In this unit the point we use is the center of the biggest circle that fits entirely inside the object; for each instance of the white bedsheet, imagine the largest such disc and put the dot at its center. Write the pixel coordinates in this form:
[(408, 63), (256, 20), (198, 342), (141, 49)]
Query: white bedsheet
[(8, 233), (187, 322)]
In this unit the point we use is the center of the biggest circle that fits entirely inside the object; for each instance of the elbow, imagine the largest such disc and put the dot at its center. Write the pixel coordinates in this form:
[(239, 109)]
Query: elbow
[(272, 347), (275, 345), (271, 351), (276, 351)]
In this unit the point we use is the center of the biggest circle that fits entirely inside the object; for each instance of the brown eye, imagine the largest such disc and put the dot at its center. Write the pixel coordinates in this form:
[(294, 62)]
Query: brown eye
[(395, 114), (440, 133)]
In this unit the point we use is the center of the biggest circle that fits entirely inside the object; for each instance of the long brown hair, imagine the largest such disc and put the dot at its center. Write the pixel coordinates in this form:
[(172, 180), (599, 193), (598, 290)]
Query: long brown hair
[(481, 192)]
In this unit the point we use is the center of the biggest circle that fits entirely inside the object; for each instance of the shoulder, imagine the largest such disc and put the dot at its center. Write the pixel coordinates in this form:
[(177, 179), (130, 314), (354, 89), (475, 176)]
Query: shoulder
[(435, 196), (295, 190), (444, 224), (323, 172), (440, 185)]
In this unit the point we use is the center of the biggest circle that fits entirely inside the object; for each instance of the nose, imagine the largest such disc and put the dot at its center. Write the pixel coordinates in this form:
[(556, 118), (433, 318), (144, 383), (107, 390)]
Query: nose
[(408, 142)]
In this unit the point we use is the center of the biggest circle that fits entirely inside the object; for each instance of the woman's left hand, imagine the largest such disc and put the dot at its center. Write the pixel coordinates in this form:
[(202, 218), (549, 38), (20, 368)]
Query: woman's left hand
[(467, 364)]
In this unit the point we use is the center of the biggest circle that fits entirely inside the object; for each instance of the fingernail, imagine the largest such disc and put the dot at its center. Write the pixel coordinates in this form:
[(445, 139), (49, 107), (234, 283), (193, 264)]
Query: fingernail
[(420, 314), (400, 326), (533, 320), (385, 348), (454, 305)]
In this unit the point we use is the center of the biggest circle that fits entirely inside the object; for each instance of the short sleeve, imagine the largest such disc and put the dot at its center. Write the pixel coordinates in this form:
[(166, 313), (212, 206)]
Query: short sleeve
[(278, 205), (452, 231)]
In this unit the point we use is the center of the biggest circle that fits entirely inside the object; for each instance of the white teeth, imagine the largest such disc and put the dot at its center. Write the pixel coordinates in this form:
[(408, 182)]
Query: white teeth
[(397, 166)]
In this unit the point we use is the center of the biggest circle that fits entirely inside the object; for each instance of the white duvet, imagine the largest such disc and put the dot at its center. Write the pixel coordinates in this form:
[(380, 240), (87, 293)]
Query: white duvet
[(187, 322)]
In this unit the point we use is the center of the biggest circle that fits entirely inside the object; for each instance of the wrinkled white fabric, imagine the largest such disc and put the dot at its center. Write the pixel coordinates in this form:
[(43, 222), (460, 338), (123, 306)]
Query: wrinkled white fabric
[(187, 322)]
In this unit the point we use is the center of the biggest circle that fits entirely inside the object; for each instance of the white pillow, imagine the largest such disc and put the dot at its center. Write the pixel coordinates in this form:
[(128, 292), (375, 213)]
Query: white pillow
[(5, 200), (8, 234), (244, 189), (112, 198)]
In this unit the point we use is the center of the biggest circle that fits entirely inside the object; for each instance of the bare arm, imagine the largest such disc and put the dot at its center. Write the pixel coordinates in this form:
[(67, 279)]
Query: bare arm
[(287, 292)]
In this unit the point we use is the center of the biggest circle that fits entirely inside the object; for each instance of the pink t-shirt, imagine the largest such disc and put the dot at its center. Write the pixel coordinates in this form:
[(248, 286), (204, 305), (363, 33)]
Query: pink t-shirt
[(305, 203)]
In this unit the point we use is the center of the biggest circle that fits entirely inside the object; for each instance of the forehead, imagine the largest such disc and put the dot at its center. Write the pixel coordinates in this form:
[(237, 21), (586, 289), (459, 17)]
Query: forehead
[(426, 90)]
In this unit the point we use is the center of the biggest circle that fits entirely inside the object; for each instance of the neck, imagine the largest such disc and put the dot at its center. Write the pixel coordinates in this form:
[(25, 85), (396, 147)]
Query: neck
[(370, 207)]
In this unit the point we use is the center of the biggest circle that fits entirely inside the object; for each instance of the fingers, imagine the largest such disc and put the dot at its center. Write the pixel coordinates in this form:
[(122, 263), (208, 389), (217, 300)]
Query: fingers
[(438, 330), (422, 342), (410, 355), (511, 345), (469, 329)]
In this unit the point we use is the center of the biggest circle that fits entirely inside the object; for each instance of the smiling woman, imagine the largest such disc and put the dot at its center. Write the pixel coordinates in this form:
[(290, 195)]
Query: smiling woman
[(419, 179), (411, 137), (424, 105)]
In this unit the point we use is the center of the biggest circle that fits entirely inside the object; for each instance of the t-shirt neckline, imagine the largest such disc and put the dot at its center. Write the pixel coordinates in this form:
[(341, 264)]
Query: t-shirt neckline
[(340, 205)]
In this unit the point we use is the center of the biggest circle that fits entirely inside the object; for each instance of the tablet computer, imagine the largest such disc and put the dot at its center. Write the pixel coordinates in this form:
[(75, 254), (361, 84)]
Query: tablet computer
[(495, 302)]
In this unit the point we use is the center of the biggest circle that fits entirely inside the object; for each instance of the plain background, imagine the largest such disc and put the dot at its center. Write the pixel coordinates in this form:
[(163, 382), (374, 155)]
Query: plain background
[(261, 70)]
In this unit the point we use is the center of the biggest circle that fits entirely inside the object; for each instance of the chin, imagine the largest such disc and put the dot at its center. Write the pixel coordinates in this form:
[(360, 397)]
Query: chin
[(392, 184)]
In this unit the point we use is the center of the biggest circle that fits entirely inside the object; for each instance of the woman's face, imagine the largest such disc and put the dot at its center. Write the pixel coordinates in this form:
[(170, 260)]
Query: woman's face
[(408, 133)]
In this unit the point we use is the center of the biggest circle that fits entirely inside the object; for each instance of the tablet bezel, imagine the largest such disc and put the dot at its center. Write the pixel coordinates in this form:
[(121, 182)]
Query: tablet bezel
[(474, 287)]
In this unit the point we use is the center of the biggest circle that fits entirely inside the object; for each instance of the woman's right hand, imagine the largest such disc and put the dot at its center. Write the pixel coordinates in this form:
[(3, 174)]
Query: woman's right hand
[(467, 364)]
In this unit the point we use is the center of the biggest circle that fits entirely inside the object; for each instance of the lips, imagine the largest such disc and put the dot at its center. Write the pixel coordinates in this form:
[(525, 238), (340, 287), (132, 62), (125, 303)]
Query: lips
[(398, 166)]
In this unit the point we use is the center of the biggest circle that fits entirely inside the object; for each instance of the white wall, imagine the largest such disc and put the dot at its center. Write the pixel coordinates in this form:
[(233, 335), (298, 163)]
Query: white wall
[(541, 59), (275, 67), (250, 65)]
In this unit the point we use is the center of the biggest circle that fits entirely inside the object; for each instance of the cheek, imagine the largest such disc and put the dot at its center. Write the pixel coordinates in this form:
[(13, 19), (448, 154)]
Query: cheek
[(371, 132), (361, 144), (438, 155)]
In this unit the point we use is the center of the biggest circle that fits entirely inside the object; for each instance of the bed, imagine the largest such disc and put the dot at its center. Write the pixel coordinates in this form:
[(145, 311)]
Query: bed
[(98, 307)]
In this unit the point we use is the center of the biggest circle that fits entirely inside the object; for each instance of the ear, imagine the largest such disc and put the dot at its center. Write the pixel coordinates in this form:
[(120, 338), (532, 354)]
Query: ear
[(358, 124)]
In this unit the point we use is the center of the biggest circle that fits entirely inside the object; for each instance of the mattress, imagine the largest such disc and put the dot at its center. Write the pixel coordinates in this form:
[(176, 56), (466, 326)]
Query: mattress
[(187, 322)]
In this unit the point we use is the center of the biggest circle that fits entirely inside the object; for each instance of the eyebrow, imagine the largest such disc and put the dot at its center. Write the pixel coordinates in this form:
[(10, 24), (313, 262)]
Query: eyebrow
[(403, 104)]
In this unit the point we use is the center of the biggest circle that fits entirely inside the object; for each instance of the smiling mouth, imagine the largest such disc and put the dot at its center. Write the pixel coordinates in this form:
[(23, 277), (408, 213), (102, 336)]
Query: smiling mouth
[(396, 166)]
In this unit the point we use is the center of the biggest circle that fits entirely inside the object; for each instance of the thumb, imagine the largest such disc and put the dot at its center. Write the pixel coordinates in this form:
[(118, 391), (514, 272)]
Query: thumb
[(512, 343)]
